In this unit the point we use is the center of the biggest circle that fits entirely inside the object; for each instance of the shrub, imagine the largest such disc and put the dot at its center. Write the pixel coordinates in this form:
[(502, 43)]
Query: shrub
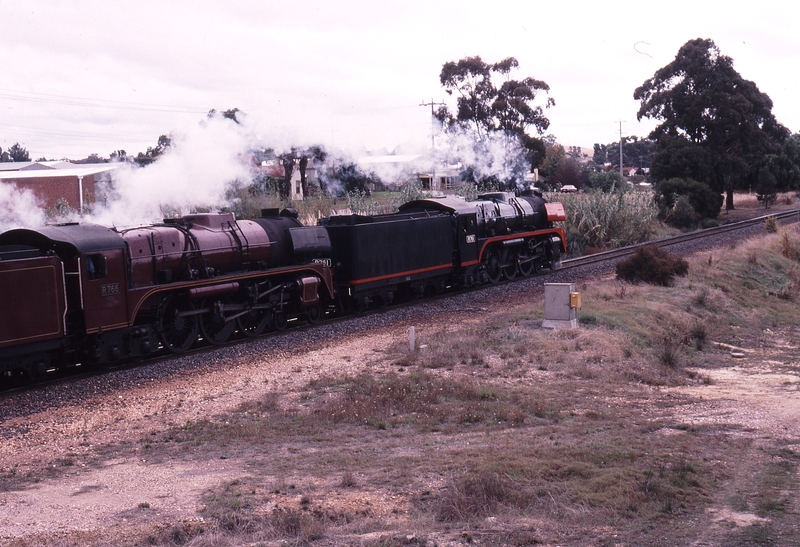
[(683, 214), (705, 201), (771, 224), (476, 494), (652, 264), (607, 181)]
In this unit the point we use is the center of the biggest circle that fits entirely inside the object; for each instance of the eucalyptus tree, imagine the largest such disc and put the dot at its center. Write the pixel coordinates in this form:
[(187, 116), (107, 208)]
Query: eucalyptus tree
[(489, 101), (702, 101)]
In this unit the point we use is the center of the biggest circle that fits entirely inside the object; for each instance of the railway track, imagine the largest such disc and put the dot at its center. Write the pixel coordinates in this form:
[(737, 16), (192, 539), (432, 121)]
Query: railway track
[(622, 252), (299, 327)]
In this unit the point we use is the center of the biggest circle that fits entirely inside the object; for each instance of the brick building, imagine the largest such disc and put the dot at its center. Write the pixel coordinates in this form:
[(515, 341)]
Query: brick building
[(52, 181)]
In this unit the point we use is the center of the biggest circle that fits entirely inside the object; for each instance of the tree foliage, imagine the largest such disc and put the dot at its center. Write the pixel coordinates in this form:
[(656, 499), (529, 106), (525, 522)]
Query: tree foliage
[(489, 101), (91, 158), (230, 114), (784, 166), (16, 152), (607, 181), (705, 201), (767, 187), (568, 172), (153, 152), (701, 99), (554, 155), (348, 178), (636, 152), (681, 158)]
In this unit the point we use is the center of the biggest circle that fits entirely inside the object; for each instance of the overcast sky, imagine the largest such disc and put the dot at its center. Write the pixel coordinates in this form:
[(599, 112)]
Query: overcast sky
[(84, 77)]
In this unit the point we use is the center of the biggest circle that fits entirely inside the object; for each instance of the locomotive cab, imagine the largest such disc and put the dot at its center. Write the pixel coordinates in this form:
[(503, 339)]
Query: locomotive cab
[(94, 269)]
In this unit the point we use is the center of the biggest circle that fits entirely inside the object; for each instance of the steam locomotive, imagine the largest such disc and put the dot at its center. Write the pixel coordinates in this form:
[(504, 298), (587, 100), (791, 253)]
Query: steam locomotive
[(84, 294)]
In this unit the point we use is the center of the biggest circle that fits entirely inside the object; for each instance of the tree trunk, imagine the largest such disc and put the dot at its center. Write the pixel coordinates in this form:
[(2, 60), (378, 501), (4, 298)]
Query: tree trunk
[(286, 187), (303, 179), (729, 193)]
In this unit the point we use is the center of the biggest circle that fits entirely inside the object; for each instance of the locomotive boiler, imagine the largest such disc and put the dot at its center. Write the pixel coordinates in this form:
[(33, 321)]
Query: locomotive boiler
[(86, 294)]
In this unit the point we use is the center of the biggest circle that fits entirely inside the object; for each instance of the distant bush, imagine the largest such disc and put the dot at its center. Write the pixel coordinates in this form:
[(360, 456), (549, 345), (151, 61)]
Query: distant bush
[(652, 264), (705, 201), (607, 181), (683, 214)]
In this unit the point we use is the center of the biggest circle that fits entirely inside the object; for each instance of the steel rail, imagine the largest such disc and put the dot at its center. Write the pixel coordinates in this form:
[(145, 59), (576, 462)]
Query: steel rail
[(793, 215), (77, 373)]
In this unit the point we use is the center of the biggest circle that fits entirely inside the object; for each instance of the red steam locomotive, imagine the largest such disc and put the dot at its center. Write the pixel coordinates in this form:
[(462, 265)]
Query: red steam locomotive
[(83, 294)]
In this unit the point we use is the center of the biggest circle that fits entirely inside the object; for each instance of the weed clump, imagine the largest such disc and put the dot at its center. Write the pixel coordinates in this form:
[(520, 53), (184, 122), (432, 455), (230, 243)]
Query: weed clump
[(771, 225), (475, 495), (653, 265)]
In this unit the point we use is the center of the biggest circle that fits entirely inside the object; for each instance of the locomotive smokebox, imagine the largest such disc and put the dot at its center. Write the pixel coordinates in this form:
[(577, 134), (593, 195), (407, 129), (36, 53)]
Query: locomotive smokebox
[(561, 304)]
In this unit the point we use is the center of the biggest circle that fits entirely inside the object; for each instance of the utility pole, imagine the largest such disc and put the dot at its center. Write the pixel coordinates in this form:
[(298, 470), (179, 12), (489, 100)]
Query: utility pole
[(433, 146), (621, 173), (433, 117)]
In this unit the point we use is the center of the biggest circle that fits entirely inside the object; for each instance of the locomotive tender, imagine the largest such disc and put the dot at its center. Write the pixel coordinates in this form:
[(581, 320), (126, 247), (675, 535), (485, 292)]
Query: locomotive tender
[(84, 294)]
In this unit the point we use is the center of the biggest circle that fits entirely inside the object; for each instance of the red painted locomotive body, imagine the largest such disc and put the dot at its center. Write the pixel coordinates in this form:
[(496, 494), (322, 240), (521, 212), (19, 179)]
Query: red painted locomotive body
[(83, 294), (86, 294)]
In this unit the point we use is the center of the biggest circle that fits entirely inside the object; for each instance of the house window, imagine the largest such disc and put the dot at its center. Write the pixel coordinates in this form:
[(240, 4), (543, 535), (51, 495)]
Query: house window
[(96, 266)]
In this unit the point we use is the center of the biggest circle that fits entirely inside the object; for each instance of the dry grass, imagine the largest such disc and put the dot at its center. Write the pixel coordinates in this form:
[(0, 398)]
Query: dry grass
[(499, 432)]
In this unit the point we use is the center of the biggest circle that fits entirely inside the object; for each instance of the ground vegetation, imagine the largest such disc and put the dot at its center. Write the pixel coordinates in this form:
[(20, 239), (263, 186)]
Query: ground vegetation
[(668, 418)]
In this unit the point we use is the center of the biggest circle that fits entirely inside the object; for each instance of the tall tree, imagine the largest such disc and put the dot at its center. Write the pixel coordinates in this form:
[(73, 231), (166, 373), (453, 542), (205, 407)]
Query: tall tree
[(699, 97), (490, 101), (17, 153), (153, 152)]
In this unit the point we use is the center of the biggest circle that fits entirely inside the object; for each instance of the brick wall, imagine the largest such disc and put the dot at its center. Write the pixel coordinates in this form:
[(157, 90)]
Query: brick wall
[(50, 189)]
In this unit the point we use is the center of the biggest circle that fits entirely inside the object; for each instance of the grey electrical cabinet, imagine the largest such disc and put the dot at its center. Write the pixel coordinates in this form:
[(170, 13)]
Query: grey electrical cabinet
[(561, 304)]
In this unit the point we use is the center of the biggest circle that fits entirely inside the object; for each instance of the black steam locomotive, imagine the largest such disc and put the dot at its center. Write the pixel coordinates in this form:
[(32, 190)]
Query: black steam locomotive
[(83, 294)]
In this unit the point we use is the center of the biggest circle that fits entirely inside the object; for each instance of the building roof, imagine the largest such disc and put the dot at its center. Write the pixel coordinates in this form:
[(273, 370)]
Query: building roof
[(42, 169), (395, 158)]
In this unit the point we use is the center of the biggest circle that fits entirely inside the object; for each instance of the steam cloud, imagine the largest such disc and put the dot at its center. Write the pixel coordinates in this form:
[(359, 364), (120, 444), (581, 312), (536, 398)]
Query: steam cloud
[(209, 159), (497, 155), (18, 208), (196, 171)]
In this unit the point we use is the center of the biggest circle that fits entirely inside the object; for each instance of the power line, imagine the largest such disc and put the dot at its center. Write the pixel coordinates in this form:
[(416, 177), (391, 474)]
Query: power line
[(39, 132), (433, 119), (46, 98)]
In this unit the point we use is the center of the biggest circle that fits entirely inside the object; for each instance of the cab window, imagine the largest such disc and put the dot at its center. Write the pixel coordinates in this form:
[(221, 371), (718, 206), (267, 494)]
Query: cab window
[(95, 266)]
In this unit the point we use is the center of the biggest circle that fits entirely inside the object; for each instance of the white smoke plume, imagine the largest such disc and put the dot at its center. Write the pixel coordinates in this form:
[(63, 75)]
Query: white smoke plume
[(202, 164), (496, 155), (209, 159), (19, 208)]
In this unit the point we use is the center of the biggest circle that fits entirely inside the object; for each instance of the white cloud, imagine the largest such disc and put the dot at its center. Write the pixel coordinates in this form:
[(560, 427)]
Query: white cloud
[(350, 72)]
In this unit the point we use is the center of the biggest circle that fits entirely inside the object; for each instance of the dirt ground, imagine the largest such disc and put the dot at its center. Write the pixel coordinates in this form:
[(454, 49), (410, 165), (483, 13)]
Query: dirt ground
[(143, 462), (101, 484)]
